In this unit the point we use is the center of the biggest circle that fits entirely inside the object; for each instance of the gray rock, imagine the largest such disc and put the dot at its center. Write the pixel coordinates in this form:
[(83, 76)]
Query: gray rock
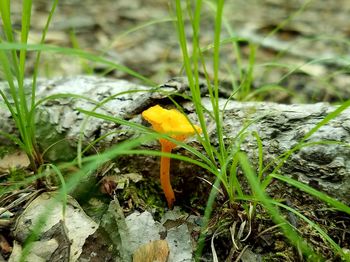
[(73, 233)]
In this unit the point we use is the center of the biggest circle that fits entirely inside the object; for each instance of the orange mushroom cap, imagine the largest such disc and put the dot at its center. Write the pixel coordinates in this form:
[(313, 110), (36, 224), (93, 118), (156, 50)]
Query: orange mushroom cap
[(171, 122)]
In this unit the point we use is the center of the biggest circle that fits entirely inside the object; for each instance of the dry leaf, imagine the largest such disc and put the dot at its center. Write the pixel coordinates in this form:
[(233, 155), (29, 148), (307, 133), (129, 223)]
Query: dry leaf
[(155, 251), (5, 247)]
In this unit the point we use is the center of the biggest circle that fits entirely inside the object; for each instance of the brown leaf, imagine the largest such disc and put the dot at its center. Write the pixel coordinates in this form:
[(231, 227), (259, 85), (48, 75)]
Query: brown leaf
[(155, 251), (4, 245)]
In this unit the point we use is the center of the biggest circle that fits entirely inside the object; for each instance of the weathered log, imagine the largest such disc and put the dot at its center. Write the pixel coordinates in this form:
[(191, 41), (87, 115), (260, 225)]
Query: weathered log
[(280, 127)]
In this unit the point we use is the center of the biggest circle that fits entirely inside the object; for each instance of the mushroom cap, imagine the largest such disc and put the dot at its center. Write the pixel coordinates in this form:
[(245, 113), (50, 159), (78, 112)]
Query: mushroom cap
[(170, 121)]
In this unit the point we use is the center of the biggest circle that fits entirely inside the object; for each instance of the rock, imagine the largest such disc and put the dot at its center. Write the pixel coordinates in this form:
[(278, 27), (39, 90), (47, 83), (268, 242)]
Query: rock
[(16, 160), (180, 244), (17, 254), (139, 234), (142, 229), (69, 236)]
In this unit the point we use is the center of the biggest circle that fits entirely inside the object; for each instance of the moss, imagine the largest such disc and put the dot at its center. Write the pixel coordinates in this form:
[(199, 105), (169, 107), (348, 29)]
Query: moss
[(17, 175), (5, 150), (145, 194)]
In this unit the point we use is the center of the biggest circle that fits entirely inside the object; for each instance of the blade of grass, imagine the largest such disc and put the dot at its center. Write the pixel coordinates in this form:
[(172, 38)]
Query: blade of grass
[(14, 138), (216, 63), (194, 86), (38, 56), (15, 69), (99, 105), (235, 186), (266, 89), (313, 130), (323, 234), (260, 154), (5, 12), (63, 189), (232, 39), (15, 109), (148, 131), (26, 15), (207, 214), (245, 89), (170, 155), (91, 164), (311, 191), (74, 52), (278, 219)]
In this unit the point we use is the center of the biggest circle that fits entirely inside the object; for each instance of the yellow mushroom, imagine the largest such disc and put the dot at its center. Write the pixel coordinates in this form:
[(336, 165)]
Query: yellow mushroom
[(176, 125)]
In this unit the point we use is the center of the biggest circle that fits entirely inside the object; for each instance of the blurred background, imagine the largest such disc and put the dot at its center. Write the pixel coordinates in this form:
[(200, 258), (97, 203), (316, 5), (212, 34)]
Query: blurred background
[(300, 46)]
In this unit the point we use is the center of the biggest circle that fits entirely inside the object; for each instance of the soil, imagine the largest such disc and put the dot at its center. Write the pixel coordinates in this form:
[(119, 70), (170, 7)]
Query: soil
[(311, 45)]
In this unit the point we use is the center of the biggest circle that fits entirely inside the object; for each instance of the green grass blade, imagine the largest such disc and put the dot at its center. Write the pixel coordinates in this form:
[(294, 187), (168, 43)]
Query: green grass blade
[(268, 89), (286, 228), (98, 105), (322, 233), (248, 79), (37, 60), (286, 155), (74, 52), (25, 25), (15, 109), (5, 12), (194, 87), (234, 185), (322, 196), (63, 190), (216, 63), (260, 153), (140, 27), (91, 164), (170, 155), (207, 214), (233, 39), (15, 139), (145, 130)]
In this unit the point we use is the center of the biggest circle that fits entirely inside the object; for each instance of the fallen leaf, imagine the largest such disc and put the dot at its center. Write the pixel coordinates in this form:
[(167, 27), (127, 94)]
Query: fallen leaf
[(4, 245), (155, 251)]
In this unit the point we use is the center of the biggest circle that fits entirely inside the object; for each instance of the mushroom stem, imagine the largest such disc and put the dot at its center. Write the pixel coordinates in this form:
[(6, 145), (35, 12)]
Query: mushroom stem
[(164, 173)]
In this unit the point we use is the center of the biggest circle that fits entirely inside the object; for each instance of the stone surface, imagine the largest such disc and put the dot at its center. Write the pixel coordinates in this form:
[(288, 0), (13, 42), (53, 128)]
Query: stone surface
[(139, 232), (71, 234)]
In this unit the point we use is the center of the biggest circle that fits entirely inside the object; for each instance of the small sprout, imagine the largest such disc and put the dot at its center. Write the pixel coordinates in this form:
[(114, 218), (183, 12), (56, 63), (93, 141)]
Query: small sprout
[(175, 124)]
